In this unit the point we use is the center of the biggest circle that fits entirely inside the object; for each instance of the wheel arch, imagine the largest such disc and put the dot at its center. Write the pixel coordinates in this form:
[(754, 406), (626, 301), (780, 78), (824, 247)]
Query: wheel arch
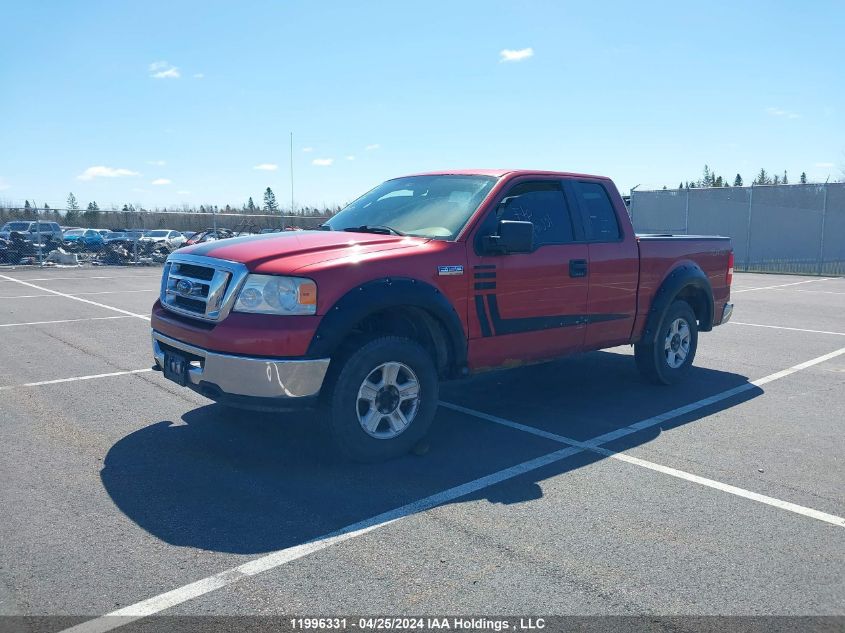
[(686, 282), (400, 306)]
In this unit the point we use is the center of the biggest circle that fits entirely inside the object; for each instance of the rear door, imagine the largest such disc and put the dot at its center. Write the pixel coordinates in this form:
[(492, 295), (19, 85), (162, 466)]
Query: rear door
[(614, 263), (529, 306)]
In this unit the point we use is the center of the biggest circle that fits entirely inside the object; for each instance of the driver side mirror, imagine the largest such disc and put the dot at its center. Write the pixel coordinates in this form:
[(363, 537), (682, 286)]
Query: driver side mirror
[(513, 237)]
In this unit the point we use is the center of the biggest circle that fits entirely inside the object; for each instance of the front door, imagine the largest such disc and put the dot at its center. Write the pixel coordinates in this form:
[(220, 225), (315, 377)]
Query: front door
[(528, 307)]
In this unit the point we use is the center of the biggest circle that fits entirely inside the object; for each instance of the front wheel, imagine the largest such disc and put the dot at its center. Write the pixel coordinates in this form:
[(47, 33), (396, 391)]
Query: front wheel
[(382, 399), (667, 359)]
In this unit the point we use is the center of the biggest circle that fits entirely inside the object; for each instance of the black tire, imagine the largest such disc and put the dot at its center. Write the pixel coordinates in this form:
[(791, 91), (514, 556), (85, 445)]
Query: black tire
[(343, 410), (652, 357)]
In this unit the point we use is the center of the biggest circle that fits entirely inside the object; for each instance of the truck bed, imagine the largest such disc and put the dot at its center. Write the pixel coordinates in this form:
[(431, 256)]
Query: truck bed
[(660, 253)]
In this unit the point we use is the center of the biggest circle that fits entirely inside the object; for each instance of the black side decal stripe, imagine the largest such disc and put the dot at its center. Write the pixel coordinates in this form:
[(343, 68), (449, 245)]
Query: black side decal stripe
[(482, 316), (485, 285), (484, 266), (531, 324), (485, 275)]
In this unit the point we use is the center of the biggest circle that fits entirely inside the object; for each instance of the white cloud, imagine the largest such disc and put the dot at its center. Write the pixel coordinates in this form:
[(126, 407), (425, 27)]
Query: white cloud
[(100, 171), (778, 112), (266, 167), (183, 192), (157, 163), (199, 75), (824, 165), (350, 157), (370, 148), (307, 149), (161, 181), (510, 55), (322, 162), (164, 70)]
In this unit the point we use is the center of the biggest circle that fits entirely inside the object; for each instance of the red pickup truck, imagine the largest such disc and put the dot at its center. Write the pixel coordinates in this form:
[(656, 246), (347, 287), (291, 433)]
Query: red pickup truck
[(430, 277)]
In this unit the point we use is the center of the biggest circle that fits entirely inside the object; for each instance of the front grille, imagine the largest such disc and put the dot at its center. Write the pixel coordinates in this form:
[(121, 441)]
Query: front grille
[(200, 287), (194, 305), (197, 272)]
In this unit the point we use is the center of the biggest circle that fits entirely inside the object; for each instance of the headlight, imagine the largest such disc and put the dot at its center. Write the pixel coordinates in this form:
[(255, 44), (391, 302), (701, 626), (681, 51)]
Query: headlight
[(271, 294)]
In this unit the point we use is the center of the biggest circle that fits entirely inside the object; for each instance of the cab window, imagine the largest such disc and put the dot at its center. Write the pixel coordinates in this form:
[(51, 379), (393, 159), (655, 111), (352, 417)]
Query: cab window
[(543, 204)]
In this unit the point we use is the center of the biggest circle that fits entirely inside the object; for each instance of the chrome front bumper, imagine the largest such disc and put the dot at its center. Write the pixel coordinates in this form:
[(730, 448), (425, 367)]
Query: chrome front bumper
[(727, 312), (245, 376)]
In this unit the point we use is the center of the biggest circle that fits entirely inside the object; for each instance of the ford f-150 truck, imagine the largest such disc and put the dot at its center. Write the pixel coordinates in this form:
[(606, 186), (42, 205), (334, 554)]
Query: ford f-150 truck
[(430, 277)]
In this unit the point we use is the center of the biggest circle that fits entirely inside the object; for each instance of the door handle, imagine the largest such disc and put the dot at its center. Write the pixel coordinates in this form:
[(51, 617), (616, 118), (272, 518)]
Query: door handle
[(577, 267)]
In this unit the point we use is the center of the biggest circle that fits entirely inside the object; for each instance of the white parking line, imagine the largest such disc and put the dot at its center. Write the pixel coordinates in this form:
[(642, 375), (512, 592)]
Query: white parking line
[(821, 292), (201, 587), (75, 379), (163, 601), (79, 294), (88, 301), (108, 318), (84, 277), (782, 327), (795, 283), (595, 443)]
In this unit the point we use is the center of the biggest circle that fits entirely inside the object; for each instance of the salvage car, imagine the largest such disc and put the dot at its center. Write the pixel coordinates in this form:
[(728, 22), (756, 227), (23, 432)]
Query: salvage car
[(91, 238), (29, 231), (171, 239), (426, 278)]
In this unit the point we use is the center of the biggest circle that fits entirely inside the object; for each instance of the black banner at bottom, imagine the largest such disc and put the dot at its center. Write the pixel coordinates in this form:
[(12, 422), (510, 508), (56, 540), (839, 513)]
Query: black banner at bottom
[(426, 623)]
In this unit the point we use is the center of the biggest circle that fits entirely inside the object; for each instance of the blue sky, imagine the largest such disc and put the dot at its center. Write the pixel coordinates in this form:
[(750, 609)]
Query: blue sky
[(164, 103)]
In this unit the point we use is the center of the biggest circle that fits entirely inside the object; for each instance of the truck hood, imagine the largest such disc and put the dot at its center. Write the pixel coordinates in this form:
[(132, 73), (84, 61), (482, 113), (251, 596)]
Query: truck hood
[(285, 252)]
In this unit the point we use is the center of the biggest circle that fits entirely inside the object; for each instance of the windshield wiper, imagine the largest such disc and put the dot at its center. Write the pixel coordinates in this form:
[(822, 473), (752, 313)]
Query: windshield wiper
[(381, 229)]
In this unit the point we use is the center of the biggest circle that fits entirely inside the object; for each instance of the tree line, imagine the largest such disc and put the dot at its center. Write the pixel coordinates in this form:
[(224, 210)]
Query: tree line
[(93, 215), (710, 179)]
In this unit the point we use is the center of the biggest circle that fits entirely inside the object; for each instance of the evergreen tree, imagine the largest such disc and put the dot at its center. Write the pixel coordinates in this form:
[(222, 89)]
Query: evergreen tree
[(707, 178), (718, 182), (680, 186), (803, 178), (27, 206), (776, 180), (72, 204), (762, 178), (92, 206), (270, 205), (785, 180), (738, 181), (250, 205)]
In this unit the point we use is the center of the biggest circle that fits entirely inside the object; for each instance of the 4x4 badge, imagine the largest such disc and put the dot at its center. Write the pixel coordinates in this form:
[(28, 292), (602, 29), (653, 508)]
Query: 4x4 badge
[(450, 270)]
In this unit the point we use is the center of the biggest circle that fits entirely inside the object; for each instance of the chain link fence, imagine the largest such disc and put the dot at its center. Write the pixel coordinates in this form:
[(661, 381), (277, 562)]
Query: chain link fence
[(774, 228)]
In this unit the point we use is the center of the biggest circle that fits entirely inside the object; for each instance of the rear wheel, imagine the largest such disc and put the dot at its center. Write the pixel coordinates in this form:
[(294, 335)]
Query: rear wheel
[(667, 359), (382, 399)]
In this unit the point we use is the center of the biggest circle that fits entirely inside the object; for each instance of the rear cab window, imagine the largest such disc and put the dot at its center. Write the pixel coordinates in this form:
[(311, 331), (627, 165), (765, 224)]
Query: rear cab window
[(601, 223)]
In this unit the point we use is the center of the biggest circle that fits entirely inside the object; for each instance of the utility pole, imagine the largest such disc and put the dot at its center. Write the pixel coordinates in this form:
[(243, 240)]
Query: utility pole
[(291, 182)]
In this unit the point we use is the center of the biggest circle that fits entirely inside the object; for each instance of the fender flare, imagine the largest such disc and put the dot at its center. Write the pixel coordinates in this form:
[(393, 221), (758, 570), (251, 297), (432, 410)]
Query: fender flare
[(380, 294), (687, 275)]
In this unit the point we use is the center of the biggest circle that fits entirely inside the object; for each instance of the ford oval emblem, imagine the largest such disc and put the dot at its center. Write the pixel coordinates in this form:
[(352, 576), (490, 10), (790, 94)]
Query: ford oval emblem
[(184, 287)]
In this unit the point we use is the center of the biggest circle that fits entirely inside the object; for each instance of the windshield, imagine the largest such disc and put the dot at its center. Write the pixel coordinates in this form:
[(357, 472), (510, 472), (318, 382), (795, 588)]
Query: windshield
[(16, 226), (75, 232), (156, 234), (423, 206)]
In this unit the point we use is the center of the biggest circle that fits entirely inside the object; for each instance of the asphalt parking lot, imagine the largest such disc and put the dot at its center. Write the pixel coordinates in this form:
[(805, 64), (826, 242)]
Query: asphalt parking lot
[(567, 488)]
